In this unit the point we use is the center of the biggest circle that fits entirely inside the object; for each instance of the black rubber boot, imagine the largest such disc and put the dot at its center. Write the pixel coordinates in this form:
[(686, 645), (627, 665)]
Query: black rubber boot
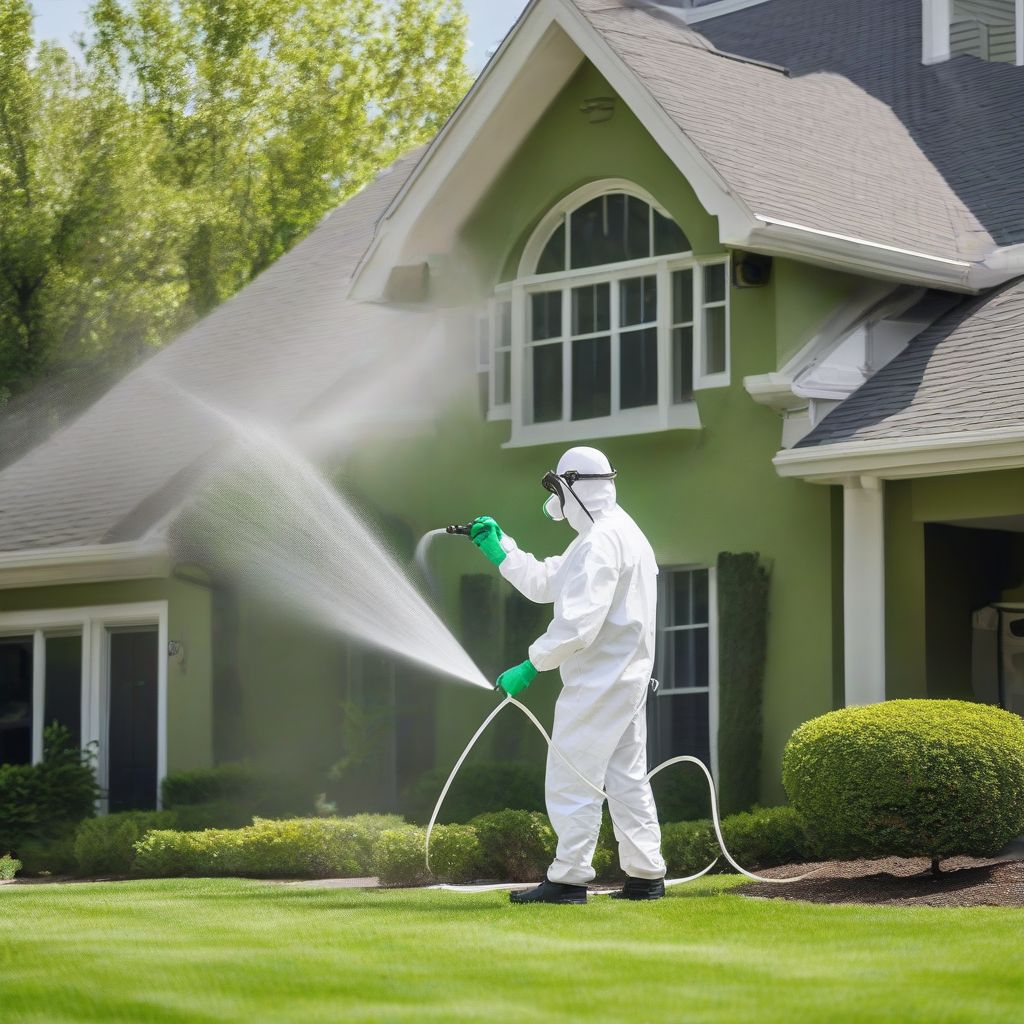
[(641, 889), (551, 892)]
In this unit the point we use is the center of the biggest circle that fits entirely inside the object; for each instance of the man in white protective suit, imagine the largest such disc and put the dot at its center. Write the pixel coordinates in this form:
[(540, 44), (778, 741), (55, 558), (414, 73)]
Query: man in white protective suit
[(604, 589)]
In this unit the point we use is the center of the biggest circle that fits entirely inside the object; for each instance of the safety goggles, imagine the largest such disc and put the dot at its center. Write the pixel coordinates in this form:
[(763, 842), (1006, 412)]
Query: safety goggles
[(553, 482)]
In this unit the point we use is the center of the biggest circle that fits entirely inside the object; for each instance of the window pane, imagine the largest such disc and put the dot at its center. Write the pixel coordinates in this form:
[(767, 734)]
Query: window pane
[(682, 364), (547, 382), (552, 259), (638, 229), (714, 342), (682, 296), (591, 378), (546, 315), (668, 236), (638, 368), (63, 701), (504, 334), (638, 301), (502, 377), (16, 700), (686, 597), (678, 724), (714, 283), (686, 659), (591, 309)]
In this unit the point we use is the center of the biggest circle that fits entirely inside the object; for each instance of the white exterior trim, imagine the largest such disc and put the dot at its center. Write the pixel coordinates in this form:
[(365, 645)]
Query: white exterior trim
[(864, 590), (972, 451), (93, 624), (936, 16), (91, 563)]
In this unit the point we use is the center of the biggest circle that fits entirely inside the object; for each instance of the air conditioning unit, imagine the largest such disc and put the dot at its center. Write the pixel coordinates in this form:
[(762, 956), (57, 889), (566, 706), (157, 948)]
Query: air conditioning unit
[(997, 656)]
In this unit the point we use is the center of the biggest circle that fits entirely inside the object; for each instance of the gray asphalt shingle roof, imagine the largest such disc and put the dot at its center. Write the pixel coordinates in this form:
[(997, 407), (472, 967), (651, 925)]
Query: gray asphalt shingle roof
[(964, 114), (963, 373), (269, 352), (818, 148)]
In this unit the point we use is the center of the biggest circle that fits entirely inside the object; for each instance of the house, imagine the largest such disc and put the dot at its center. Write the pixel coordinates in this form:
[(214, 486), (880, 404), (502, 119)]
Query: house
[(767, 254)]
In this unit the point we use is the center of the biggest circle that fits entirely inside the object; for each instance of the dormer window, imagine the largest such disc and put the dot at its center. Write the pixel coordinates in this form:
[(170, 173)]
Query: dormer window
[(610, 324)]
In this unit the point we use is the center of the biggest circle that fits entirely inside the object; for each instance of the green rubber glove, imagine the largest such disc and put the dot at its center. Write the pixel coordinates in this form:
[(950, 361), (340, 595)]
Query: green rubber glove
[(515, 680), (486, 535)]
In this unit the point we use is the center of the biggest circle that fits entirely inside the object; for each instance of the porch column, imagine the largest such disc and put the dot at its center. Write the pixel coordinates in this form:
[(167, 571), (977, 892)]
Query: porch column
[(864, 590)]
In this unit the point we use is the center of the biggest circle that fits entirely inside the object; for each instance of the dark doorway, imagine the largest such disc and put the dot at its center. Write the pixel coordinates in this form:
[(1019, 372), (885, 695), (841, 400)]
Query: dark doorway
[(132, 742)]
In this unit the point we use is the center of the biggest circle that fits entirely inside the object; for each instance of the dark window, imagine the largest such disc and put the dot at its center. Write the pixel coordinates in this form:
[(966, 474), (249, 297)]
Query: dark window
[(546, 315), (552, 259), (638, 368), (15, 700), (591, 378), (679, 711), (668, 236), (547, 382), (63, 703)]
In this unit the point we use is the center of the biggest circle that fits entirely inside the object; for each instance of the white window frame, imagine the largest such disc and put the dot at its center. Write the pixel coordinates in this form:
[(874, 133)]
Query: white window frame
[(94, 625), (712, 627), (663, 415), (489, 319)]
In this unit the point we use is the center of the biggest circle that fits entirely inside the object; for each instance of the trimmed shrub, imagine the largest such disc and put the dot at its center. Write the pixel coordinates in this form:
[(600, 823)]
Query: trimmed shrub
[(399, 856), (9, 867), (293, 848), (40, 804), (516, 846), (478, 789), (455, 854), (681, 794), (688, 846), (909, 778), (766, 837), (106, 846)]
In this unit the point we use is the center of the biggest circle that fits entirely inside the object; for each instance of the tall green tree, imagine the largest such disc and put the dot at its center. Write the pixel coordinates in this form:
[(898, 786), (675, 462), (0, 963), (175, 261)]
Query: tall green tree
[(273, 111), (190, 144)]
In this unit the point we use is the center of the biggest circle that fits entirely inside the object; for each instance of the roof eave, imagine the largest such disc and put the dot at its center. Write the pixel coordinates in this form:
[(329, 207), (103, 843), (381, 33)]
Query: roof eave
[(887, 459), (89, 563)]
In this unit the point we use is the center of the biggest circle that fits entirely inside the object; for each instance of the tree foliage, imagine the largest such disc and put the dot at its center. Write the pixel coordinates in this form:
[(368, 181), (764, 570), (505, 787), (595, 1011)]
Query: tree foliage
[(187, 146)]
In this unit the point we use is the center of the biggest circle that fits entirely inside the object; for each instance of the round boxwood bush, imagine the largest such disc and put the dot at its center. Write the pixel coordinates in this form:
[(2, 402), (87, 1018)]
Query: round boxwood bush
[(909, 778)]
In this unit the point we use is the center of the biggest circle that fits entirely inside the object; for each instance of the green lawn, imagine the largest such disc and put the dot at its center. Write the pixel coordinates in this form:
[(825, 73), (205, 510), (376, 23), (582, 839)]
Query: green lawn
[(230, 950)]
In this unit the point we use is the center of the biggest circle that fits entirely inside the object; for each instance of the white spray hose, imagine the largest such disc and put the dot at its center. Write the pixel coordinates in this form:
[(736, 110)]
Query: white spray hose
[(683, 758)]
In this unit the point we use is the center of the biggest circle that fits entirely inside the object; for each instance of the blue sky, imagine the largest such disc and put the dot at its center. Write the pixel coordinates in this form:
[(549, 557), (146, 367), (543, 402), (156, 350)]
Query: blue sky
[(489, 20)]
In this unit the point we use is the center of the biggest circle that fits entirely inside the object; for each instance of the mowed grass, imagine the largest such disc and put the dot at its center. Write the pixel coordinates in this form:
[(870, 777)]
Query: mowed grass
[(236, 950)]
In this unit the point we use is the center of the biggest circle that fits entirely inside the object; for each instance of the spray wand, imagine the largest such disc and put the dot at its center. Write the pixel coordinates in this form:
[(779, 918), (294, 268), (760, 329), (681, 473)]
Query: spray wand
[(462, 530)]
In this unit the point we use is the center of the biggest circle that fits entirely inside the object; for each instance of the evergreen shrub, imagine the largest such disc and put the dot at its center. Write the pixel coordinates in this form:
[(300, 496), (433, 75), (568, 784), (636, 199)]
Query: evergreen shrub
[(9, 867), (909, 778), (515, 846), (250, 789), (399, 856), (106, 846), (292, 848)]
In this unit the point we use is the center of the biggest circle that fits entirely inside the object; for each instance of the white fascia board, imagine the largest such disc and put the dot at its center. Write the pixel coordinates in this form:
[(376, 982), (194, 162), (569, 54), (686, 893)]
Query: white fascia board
[(92, 563), (860, 256), (973, 451), (486, 109)]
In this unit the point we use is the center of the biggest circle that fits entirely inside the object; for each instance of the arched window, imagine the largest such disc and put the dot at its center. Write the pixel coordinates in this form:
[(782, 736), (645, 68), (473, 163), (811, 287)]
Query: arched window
[(610, 323)]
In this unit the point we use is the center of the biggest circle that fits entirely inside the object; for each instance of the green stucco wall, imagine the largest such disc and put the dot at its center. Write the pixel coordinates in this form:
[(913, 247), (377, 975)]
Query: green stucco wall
[(695, 493), (189, 686)]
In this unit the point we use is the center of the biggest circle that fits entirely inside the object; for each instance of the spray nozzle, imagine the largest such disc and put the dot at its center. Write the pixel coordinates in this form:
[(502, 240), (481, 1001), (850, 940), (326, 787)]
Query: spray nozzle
[(459, 529)]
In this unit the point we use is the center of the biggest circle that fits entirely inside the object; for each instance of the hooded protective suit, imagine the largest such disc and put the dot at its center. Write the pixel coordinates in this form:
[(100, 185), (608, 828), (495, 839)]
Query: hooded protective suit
[(602, 637)]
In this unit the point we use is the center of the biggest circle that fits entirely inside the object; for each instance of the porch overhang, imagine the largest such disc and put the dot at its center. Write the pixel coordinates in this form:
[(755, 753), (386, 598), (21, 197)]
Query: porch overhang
[(93, 563), (887, 459)]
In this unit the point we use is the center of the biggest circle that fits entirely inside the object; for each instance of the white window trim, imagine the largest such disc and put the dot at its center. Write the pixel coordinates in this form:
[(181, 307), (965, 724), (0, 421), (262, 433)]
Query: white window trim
[(665, 414), (93, 623), (712, 627)]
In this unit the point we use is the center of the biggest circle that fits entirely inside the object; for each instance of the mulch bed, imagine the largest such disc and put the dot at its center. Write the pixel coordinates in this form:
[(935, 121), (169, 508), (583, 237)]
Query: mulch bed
[(899, 881)]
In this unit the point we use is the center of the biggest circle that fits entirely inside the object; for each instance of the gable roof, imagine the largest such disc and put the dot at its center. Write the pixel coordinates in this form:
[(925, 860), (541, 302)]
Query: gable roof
[(269, 351), (961, 375), (814, 165)]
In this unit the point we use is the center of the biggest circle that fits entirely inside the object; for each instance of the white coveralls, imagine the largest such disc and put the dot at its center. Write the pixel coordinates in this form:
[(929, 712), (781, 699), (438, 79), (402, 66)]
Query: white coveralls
[(602, 637)]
